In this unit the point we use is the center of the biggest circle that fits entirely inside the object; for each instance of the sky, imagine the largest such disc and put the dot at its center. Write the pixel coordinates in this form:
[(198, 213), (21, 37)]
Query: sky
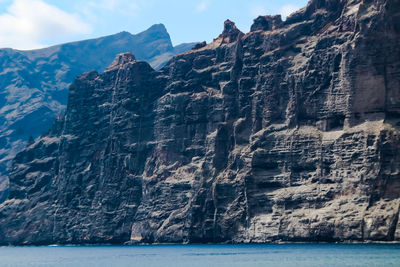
[(31, 24)]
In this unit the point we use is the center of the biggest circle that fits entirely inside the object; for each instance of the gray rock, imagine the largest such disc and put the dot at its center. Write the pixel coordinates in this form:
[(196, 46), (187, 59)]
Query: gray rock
[(267, 23), (288, 134), (34, 84)]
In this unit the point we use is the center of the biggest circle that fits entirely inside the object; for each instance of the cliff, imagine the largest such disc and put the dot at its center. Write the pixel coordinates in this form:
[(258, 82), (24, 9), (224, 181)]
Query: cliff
[(34, 84), (289, 132)]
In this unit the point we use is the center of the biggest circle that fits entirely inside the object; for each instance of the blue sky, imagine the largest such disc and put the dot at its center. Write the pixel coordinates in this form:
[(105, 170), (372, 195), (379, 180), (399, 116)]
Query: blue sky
[(28, 24)]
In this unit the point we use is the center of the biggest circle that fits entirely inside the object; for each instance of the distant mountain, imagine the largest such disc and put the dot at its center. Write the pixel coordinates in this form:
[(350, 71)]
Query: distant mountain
[(288, 133), (34, 84)]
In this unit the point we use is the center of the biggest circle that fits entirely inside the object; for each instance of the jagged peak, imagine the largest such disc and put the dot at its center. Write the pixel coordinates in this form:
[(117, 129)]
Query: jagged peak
[(158, 27), (230, 33), (267, 23), (230, 29), (158, 30), (121, 60)]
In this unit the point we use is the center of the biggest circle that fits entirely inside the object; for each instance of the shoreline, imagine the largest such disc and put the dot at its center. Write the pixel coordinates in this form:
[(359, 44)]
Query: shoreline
[(208, 244)]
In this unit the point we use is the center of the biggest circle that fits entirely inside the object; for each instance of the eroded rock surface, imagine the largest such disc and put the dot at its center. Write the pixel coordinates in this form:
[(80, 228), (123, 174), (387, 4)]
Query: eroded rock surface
[(284, 133), (34, 84)]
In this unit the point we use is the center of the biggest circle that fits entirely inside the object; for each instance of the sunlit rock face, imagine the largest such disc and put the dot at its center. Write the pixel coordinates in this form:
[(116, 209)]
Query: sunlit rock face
[(289, 132), (34, 84)]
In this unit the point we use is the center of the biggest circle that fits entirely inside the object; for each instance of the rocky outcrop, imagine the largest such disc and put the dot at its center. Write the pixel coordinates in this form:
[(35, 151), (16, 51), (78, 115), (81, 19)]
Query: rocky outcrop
[(287, 133), (230, 33), (267, 23), (34, 84), (121, 60)]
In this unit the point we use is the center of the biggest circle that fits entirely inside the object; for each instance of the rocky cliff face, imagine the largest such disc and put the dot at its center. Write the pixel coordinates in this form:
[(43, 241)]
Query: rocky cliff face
[(34, 84), (289, 132)]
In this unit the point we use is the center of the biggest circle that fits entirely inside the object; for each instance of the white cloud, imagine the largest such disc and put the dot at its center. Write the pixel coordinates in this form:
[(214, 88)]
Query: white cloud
[(202, 6), (258, 10), (32, 23), (286, 10)]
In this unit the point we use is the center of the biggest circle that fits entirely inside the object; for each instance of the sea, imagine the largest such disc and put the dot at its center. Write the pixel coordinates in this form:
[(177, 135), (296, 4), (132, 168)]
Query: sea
[(205, 255)]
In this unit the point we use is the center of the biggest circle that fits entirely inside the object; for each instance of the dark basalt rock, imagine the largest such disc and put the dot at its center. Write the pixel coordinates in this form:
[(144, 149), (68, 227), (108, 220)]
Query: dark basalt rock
[(121, 60), (267, 23), (230, 33), (34, 84), (289, 134), (200, 45)]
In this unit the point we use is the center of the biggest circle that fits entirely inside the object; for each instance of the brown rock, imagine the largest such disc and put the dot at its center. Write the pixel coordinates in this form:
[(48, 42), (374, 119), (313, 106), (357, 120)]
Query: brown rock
[(288, 135), (120, 60), (230, 33)]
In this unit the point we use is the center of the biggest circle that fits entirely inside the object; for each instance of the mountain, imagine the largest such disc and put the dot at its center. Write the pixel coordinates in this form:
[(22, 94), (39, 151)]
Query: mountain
[(287, 133), (34, 84)]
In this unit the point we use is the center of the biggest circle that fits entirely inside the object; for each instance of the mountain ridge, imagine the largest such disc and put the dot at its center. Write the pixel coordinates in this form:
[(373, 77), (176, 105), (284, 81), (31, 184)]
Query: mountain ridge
[(287, 133), (34, 83)]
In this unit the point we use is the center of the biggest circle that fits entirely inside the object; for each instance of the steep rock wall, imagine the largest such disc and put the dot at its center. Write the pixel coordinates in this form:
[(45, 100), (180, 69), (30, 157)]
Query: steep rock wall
[(289, 132)]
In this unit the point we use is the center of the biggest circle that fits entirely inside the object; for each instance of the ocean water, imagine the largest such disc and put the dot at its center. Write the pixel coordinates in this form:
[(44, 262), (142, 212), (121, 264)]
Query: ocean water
[(205, 255)]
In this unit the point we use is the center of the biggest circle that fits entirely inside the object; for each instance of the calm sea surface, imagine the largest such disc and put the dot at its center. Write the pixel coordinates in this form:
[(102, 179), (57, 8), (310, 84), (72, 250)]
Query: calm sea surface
[(205, 255)]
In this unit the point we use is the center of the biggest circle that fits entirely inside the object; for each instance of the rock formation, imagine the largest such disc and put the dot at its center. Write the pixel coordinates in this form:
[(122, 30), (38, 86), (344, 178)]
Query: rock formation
[(34, 84), (289, 132), (267, 23)]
